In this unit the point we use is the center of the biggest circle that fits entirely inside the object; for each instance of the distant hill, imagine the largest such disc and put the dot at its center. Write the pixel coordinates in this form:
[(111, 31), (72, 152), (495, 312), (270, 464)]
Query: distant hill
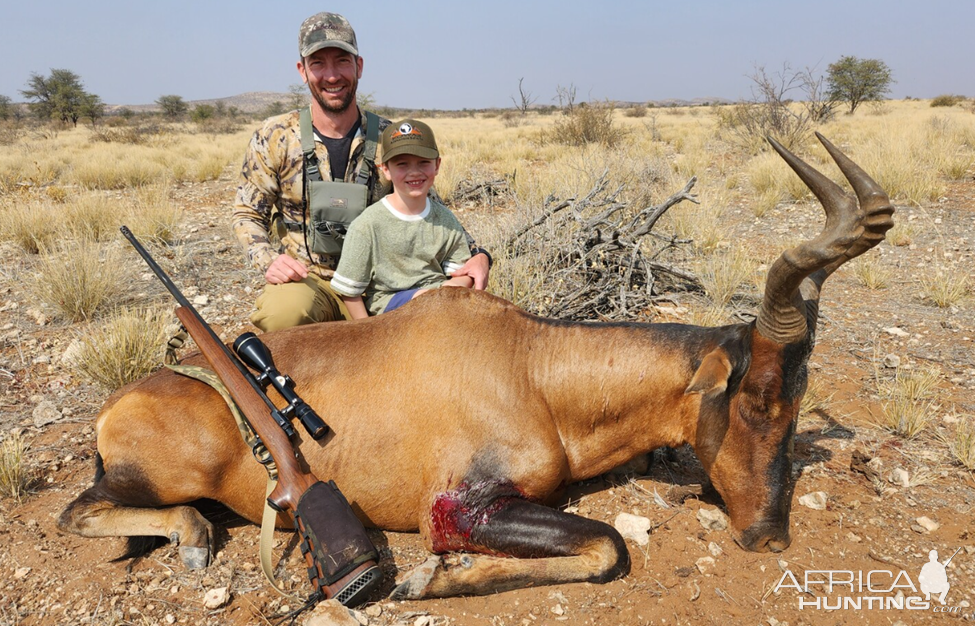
[(250, 102), (257, 101)]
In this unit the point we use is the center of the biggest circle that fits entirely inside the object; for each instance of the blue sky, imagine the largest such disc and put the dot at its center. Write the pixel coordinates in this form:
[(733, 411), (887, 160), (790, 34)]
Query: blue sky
[(455, 54)]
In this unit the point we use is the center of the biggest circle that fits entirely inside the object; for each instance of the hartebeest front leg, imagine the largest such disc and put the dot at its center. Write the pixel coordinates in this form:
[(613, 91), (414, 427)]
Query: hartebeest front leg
[(549, 547)]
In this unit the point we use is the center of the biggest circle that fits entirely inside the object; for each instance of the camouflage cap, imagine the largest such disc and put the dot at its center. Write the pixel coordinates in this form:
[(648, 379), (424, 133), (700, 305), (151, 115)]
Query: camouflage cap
[(326, 30), (409, 137)]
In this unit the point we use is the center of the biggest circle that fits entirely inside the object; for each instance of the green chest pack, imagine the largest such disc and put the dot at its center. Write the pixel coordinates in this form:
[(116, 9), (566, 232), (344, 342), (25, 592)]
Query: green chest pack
[(332, 205)]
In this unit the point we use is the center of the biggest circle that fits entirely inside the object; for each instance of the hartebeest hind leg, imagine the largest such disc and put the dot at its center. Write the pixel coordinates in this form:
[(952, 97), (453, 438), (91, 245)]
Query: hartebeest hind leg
[(550, 547)]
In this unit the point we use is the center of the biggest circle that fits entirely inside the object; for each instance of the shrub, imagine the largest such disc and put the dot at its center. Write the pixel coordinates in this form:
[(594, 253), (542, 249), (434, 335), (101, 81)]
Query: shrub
[(126, 347), (947, 100), (588, 124), (636, 111)]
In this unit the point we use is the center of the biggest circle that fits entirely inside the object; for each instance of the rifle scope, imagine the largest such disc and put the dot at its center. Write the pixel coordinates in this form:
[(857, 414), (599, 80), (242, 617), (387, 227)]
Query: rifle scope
[(255, 354)]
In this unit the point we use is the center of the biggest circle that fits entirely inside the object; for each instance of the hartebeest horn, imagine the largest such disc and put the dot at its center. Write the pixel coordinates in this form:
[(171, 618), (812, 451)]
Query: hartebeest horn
[(851, 229)]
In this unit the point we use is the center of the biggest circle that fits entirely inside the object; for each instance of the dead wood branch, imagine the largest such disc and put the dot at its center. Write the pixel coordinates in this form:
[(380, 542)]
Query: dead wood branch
[(601, 262)]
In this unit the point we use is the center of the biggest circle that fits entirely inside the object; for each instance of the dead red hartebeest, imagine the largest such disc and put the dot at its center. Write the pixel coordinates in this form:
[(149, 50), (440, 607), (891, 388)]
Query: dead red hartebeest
[(462, 415)]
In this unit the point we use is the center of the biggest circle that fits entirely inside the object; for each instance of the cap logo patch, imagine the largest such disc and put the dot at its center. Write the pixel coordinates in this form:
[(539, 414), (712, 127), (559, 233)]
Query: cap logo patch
[(406, 130)]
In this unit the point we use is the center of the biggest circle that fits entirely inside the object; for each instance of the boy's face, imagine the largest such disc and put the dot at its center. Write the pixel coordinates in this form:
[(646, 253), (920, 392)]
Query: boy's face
[(412, 176)]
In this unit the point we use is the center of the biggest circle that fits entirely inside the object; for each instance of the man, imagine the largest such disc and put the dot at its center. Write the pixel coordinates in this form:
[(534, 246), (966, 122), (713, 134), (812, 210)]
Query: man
[(275, 183)]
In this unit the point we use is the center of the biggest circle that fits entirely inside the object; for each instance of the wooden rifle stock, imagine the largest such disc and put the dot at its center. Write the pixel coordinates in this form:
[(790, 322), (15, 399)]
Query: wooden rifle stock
[(293, 481)]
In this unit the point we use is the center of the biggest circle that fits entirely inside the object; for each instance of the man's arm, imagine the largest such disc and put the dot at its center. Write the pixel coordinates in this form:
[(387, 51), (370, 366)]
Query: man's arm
[(257, 194)]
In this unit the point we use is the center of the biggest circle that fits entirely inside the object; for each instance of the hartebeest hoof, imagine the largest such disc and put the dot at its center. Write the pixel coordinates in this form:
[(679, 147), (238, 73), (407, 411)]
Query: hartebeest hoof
[(193, 557), (415, 585)]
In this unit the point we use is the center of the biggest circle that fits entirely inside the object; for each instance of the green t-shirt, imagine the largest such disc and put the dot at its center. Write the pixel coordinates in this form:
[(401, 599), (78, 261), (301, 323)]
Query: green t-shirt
[(386, 252)]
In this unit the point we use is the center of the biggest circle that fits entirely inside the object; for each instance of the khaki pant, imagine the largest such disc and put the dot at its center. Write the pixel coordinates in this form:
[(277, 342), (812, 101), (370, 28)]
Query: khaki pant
[(308, 301)]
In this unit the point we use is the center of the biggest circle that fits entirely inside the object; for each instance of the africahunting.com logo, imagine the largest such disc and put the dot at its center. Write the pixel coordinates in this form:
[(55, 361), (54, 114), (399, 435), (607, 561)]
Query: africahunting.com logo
[(873, 590)]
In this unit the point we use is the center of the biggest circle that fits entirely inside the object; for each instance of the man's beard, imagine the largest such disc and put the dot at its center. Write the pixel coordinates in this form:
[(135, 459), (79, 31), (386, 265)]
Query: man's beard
[(342, 106)]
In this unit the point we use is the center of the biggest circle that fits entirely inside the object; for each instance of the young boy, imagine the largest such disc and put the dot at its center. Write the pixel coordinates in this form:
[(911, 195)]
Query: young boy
[(405, 244)]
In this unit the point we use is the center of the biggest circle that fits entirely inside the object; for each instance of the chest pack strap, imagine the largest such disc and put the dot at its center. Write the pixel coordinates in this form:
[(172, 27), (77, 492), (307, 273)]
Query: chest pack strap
[(312, 168)]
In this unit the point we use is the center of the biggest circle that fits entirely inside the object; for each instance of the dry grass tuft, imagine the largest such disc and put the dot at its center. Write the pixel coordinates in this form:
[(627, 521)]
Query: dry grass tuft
[(947, 286), (91, 216), (907, 401), (723, 273), (125, 347), (871, 272), (31, 225), (902, 234), (816, 398), (79, 278), (16, 477), (962, 443), (153, 217)]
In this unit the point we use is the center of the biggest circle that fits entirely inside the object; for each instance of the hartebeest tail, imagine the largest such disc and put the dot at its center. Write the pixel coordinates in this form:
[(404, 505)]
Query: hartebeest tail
[(462, 416)]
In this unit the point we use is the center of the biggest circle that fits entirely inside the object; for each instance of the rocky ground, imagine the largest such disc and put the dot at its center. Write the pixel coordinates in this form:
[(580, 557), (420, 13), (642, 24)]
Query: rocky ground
[(866, 500)]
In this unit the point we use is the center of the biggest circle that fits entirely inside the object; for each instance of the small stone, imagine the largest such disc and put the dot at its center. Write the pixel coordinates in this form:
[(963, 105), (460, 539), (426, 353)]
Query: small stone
[(635, 527), (45, 413), (360, 617), (374, 610), (558, 610), (928, 524), (900, 477), (892, 361), (329, 613), (854, 538), (815, 500), (21, 572), (783, 564), (897, 332), (170, 618), (201, 300), (425, 620), (216, 598), (712, 519), (704, 564), (964, 604), (715, 549)]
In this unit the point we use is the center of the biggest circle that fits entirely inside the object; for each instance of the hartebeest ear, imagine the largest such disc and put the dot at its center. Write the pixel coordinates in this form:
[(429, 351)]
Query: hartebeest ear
[(712, 376)]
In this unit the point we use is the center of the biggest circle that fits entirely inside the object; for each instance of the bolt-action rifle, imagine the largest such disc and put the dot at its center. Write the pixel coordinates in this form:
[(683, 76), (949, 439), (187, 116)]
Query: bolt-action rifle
[(341, 559)]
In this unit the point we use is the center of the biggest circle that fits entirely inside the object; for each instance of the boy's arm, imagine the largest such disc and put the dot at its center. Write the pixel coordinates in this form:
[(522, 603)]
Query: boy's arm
[(357, 308), (354, 270)]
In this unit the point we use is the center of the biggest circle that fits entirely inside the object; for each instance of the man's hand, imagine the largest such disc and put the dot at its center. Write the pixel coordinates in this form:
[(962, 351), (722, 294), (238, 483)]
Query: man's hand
[(477, 268), (285, 269)]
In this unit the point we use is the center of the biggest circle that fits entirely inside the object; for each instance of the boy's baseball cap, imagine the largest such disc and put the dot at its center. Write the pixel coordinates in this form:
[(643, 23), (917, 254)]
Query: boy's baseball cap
[(326, 30), (409, 137)]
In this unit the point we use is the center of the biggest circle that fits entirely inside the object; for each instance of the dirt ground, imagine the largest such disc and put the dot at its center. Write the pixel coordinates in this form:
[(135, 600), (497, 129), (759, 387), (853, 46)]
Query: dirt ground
[(47, 577)]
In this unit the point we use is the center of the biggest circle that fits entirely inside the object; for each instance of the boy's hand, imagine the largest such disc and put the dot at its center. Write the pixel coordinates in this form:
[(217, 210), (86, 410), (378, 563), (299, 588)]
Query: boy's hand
[(478, 268), (285, 269)]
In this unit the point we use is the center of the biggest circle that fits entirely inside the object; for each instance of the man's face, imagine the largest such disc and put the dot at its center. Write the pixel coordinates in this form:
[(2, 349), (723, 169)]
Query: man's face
[(332, 75)]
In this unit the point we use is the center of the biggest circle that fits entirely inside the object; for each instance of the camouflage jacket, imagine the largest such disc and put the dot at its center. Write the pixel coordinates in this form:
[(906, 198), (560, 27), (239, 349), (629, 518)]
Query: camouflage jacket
[(272, 176)]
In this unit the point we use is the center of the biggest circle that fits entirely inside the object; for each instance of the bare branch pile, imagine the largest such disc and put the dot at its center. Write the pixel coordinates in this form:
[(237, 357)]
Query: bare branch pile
[(601, 260)]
